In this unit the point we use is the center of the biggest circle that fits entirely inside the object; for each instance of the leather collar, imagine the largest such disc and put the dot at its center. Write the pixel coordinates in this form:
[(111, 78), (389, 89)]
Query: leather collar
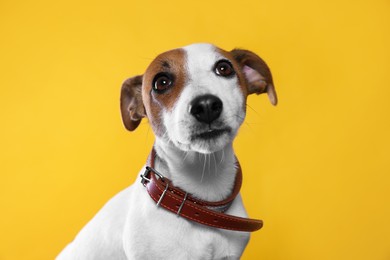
[(211, 214)]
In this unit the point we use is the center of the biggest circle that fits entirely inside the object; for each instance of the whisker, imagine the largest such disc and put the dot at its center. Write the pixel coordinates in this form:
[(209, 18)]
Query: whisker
[(253, 109), (185, 155), (215, 165), (204, 168), (222, 157), (209, 159)]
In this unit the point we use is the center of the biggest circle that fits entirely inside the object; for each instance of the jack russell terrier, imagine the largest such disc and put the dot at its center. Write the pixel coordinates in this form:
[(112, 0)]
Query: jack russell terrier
[(186, 203)]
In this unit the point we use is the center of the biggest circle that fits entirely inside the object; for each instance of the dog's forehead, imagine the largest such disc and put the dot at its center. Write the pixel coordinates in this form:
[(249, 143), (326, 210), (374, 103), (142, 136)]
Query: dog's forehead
[(202, 55), (202, 59)]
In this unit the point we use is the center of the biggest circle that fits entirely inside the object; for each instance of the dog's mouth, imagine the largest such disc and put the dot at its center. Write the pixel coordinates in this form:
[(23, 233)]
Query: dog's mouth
[(211, 134)]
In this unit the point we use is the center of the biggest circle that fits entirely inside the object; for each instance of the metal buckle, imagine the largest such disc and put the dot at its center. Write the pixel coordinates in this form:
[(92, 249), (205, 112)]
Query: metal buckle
[(182, 204), (145, 176), (162, 195)]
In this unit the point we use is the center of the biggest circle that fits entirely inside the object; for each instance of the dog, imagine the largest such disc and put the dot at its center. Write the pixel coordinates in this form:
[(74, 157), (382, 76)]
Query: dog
[(186, 203)]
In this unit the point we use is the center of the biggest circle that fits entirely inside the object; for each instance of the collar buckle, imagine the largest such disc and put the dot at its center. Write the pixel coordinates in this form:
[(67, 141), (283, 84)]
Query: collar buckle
[(145, 176)]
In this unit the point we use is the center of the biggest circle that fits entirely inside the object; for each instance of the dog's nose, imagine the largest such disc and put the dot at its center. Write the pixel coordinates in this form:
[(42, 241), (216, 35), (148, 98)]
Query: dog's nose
[(206, 108)]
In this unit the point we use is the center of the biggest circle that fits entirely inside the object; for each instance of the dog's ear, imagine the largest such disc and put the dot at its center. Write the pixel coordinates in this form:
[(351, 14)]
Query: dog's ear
[(132, 107), (257, 74)]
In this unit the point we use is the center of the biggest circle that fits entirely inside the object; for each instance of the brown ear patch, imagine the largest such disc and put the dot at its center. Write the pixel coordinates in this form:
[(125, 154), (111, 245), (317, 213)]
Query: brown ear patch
[(132, 108), (257, 73)]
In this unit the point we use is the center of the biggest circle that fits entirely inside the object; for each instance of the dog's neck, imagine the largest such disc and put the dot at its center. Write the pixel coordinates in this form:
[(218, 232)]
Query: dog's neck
[(206, 176)]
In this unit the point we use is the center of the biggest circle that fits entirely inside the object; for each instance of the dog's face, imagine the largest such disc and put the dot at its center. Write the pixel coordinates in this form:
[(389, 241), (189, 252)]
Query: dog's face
[(195, 97)]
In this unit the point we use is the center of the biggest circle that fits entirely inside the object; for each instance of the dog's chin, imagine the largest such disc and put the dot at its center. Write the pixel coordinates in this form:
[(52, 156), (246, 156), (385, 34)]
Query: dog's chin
[(207, 142)]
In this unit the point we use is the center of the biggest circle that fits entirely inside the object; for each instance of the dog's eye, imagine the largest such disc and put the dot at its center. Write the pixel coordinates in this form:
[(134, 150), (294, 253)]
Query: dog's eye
[(224, 68), (162, 82)]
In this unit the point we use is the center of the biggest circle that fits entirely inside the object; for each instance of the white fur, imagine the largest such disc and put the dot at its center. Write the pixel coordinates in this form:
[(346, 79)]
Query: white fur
[(131, 226), (201, 59)]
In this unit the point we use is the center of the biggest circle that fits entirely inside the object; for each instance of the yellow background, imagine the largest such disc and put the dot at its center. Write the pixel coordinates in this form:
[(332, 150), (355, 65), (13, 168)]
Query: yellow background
[(316, 167)]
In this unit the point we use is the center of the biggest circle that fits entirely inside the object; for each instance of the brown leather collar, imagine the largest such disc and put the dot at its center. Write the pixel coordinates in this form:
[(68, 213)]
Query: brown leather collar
[(173, 199)]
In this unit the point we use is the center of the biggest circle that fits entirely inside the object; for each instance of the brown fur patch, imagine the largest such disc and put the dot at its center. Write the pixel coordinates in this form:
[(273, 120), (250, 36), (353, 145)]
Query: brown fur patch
[(172, 62), (132, 108)]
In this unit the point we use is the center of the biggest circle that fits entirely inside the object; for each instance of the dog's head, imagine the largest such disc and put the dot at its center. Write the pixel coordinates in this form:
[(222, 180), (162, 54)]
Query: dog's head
[(195, 97)]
